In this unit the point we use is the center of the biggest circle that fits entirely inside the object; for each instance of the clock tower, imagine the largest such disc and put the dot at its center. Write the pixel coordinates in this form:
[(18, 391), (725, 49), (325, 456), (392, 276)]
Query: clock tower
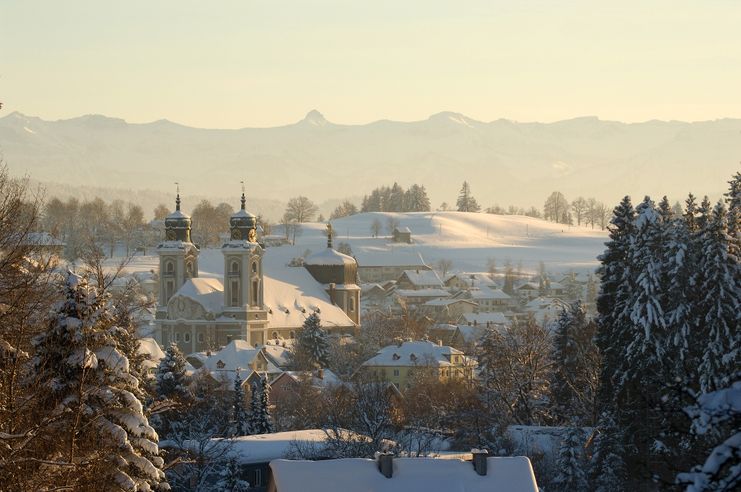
[(243, 278), (178, 255)]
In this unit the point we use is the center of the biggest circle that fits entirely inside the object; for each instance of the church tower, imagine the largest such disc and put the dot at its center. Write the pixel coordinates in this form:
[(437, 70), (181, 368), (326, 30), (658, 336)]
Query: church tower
[(178, 255), (338, 272), (243, 275)]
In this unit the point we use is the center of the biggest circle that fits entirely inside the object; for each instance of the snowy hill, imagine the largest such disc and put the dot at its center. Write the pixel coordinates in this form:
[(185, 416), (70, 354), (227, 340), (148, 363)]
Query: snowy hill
[(507, 162), (469, 240)]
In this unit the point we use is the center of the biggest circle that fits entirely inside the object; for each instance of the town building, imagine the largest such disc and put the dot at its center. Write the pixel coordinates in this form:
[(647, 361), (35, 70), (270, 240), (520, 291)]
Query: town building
[(201, 314), (397, 363), (382, 266)]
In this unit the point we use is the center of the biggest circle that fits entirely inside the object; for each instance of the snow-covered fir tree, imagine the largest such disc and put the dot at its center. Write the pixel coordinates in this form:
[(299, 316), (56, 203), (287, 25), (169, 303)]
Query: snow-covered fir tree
[(312, 345), (720, 304), (240, 414), (573, 383), (260, 420), (607, 469), (171, 377), (100, 436), (571, 464)]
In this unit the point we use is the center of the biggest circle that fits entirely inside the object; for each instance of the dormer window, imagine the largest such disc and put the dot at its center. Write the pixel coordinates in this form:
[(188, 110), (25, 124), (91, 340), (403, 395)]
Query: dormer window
[(220, 364), (412, 357), (396, 357)]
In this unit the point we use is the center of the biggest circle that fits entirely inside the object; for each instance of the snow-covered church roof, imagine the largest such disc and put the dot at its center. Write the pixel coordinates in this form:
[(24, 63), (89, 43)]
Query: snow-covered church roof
[(208, 292), (329, 256)]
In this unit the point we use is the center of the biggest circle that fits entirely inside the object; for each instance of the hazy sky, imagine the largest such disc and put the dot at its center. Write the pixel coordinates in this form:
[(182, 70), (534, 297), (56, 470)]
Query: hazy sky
[(240, 63)]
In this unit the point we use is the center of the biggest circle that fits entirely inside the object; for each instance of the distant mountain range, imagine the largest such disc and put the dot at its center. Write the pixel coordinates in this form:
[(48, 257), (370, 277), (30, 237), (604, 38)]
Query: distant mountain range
[(506, 162)]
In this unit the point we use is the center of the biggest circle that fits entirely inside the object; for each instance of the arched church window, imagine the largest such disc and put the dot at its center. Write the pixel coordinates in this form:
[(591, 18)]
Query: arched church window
[(292, 335), (352, 304), (254, 293), (254, 267), (234, 267), (186, 337), (170, 267)]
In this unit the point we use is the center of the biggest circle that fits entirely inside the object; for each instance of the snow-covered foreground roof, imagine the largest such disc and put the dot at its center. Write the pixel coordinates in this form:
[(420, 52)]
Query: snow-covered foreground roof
[(409, 475), (238, 354), (423, 277), (419, 353)]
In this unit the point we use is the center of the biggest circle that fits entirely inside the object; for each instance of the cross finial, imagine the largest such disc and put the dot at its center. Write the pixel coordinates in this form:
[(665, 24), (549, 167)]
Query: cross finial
[(243, 198), (177, 198), (329, 235)]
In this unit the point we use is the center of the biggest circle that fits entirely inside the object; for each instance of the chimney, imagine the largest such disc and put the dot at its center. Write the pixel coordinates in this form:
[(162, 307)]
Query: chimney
[(386, 464), (479, 460)]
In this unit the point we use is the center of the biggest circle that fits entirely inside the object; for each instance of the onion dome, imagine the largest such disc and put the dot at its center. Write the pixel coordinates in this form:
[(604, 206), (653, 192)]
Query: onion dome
[(177, 224), (243, 224)]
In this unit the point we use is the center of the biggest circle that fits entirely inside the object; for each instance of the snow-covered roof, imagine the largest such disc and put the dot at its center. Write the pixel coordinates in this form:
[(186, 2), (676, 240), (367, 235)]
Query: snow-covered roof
[(243, 213), (208, 292), (529, 286), (540, 303), (483, 318), (277, 354), (511, 474), (389, 258), (291, 294), (404, 230), (447, 302), (487, 293), (238, 354), (422, 293), (415, 353), (423, 277), (177, 214), (328, 378), (329, 256), (263, 448)]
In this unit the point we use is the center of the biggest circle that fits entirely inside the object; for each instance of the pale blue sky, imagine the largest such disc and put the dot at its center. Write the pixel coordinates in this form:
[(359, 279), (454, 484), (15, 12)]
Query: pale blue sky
[(240, 63)]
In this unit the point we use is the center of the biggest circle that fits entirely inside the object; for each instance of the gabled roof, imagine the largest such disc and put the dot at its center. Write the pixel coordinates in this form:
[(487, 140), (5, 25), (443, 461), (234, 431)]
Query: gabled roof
[(415, 353), (327, 378), (486, 293), (422, 278), (483, 318), (238, 354), (208, 292), (448, 302), (510, 474), (422, 293)]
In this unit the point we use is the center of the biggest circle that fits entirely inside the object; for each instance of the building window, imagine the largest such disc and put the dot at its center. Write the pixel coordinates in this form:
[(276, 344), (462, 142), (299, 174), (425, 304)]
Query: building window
[(169, 289), (352, 304), (275, 335), (234, 293), (177, 337), (254, 267), (169, 267), (258, 478), (186, 337), (201, 338), (396, 372), (234, 267), (292, 335), (254, 292)]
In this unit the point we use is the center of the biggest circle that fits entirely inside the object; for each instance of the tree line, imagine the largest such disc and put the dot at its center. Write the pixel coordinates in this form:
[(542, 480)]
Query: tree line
[(396, 199)]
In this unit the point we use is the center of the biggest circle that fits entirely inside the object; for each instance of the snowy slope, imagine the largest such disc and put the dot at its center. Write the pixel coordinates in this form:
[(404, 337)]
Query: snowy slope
[(469, 240)]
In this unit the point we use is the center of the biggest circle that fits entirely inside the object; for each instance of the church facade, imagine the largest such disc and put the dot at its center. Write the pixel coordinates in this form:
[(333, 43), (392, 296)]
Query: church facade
[(202, 314)]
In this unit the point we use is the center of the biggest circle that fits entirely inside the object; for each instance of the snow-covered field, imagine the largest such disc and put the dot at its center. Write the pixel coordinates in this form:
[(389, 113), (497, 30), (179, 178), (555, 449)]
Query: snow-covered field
[(469, 240)]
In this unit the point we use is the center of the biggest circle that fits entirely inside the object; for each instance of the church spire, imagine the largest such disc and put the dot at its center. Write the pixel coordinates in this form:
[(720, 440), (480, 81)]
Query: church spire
[(243, 197), (177, 198), (329, 235)]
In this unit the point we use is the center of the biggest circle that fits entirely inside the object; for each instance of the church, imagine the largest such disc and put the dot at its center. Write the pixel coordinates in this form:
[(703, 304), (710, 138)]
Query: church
[(248, 303)]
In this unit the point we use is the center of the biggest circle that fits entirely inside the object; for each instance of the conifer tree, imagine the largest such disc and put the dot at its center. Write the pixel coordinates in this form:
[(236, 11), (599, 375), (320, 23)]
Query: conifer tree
[(241, 418), (261, 422), (101, 436), (571, 464), (171, 377), (466, 202), (312, 345), (720, 304), (607, 469)]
